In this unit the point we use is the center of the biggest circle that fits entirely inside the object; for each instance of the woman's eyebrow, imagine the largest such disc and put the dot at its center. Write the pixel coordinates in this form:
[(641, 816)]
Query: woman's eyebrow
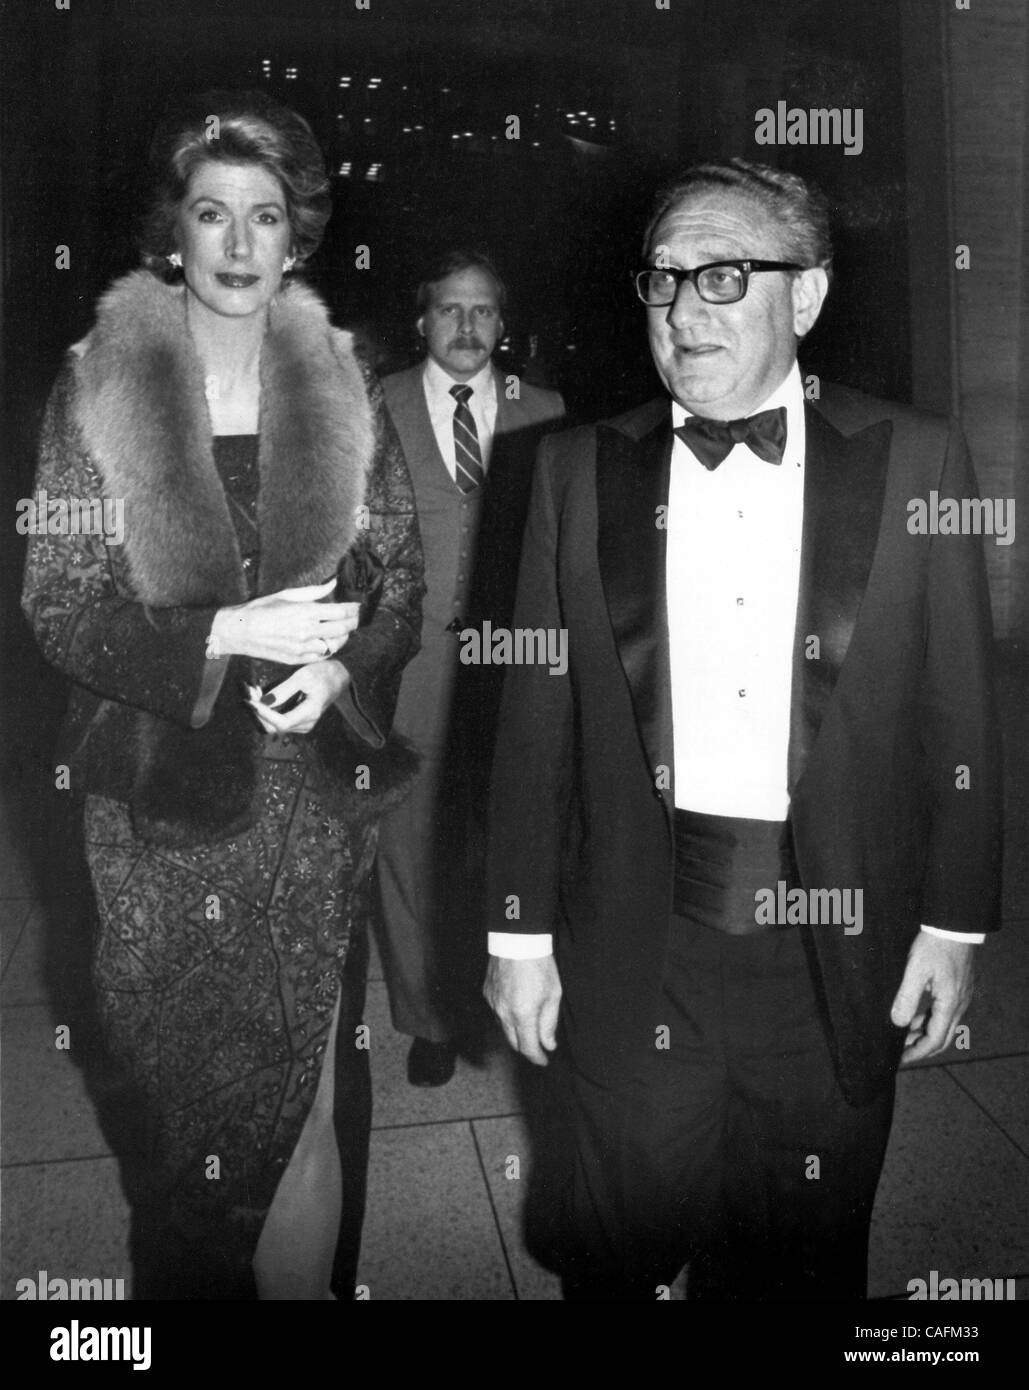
[(254, 207)]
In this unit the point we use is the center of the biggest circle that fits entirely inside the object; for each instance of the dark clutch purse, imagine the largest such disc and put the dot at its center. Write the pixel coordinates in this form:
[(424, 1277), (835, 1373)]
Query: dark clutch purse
[(359, 578)]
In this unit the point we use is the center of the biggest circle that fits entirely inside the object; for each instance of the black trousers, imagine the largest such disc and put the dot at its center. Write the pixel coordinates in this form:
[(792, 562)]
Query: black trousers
[(732, 1148)]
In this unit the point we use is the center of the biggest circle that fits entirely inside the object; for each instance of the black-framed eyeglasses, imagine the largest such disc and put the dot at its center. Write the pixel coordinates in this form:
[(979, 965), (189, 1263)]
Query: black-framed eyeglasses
[(717, 282)]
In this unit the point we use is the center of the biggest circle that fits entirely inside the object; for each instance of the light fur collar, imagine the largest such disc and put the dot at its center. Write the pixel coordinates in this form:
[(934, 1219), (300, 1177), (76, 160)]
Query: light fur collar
[(143, 416)]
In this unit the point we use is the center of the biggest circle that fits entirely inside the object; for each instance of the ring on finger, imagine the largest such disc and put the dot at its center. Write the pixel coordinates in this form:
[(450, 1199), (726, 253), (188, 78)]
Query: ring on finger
[(328, 649)]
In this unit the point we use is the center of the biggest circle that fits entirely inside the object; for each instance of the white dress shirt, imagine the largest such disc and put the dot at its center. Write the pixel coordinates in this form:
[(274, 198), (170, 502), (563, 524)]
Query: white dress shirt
[(482, 403), (732, 575)]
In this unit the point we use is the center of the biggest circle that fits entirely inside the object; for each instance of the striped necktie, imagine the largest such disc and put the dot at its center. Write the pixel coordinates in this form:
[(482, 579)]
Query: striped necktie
[(467, 453)]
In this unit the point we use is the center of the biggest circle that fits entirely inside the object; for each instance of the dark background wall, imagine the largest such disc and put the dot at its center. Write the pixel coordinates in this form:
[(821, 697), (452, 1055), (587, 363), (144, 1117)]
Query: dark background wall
[(612, 96), (561, 207)]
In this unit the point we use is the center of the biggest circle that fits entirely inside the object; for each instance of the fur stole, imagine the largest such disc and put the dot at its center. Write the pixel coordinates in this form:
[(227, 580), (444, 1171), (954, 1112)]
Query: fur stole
[(141, 409)]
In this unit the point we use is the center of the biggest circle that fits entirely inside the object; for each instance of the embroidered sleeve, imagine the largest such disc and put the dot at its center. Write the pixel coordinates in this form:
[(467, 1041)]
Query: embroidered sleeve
[(376, 655), (77, 582)]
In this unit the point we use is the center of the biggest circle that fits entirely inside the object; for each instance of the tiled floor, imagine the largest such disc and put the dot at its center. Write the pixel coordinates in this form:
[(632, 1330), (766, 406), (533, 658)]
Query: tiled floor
[(451, 1168)]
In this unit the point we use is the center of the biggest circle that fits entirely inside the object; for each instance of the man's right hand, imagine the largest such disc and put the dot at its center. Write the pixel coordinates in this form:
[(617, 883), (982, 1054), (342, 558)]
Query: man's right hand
[(525, 995)]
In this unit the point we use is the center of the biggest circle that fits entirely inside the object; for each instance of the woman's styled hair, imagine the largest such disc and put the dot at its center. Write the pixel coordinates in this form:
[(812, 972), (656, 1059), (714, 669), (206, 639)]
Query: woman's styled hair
[(235, 128)]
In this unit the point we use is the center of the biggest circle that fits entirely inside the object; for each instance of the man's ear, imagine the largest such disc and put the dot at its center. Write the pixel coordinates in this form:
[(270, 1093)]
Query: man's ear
[(809, 289), (420, 325)]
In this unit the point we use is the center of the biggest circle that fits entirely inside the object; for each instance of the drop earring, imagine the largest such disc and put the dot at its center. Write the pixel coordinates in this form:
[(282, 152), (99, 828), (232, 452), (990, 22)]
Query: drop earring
[(288, 264), (175, 260)]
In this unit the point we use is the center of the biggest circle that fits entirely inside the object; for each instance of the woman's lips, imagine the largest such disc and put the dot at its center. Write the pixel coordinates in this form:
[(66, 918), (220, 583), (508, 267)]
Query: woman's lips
[(236, 282)]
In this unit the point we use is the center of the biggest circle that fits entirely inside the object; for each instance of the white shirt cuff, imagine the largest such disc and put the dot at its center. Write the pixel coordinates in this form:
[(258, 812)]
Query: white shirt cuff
[(520, 945), (975, 938)]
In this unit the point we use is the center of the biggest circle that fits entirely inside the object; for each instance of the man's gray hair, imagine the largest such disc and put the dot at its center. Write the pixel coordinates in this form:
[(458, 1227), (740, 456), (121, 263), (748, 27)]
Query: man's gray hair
[(798, 207)]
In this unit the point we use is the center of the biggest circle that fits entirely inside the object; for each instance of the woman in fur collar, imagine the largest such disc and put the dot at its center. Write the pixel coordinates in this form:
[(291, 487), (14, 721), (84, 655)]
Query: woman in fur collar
[(230, 833)]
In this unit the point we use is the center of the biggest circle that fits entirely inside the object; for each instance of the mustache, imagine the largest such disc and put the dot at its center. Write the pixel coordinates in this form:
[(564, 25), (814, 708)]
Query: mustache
[(472, 344)]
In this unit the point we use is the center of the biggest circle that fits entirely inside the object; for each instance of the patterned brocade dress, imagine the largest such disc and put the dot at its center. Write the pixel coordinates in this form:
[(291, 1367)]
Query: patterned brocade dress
[(217, 972)]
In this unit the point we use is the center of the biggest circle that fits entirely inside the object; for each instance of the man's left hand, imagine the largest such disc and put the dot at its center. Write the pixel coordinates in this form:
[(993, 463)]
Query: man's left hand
[(933, 994), (320, 683)]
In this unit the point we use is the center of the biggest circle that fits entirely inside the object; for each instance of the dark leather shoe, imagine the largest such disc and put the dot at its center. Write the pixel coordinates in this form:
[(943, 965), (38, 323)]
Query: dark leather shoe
[(430, 1063)]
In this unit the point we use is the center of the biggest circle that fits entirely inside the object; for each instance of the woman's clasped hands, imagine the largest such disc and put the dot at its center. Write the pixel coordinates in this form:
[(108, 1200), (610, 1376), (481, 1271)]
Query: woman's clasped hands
[(294, 627)]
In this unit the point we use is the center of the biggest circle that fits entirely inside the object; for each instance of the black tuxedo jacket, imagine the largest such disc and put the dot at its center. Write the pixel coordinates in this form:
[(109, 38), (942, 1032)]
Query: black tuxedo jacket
[(898, 700)]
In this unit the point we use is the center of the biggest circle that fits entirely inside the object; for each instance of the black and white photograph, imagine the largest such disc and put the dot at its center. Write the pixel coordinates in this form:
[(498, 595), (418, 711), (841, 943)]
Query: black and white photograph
[(515, 681)]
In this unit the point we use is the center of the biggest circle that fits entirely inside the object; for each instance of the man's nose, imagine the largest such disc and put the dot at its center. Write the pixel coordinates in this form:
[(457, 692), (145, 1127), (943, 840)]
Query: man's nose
[(687, 307)]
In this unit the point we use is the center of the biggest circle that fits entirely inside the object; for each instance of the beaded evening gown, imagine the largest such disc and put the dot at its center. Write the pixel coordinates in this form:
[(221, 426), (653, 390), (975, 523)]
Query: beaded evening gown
[(217, 971)]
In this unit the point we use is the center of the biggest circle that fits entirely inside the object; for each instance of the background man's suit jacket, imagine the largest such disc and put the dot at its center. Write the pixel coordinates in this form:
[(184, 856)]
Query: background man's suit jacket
[(431, 707), (899, 698)]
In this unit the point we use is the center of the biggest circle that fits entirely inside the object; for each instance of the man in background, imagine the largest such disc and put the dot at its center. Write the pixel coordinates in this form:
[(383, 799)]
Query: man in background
[(470, 433)]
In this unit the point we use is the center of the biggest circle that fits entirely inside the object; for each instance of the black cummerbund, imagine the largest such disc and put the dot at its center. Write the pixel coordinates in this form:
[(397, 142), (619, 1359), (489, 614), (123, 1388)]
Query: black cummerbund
[(720, 864)]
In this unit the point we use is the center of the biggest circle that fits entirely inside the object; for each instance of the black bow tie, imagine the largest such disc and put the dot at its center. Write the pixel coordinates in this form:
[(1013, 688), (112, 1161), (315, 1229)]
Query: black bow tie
[(712, 440)]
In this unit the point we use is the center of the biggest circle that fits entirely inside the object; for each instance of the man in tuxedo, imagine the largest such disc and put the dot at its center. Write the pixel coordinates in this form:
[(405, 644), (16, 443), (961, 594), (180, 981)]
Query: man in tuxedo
[(469, 433), (776, 694)]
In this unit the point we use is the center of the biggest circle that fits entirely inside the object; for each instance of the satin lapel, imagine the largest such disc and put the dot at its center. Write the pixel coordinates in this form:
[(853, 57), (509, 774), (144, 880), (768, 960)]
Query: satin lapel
[(844, 479), (632, 484)]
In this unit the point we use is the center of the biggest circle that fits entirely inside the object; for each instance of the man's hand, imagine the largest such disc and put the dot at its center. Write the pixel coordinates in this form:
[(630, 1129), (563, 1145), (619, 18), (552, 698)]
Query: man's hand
[(933, 994), (525, 995)]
